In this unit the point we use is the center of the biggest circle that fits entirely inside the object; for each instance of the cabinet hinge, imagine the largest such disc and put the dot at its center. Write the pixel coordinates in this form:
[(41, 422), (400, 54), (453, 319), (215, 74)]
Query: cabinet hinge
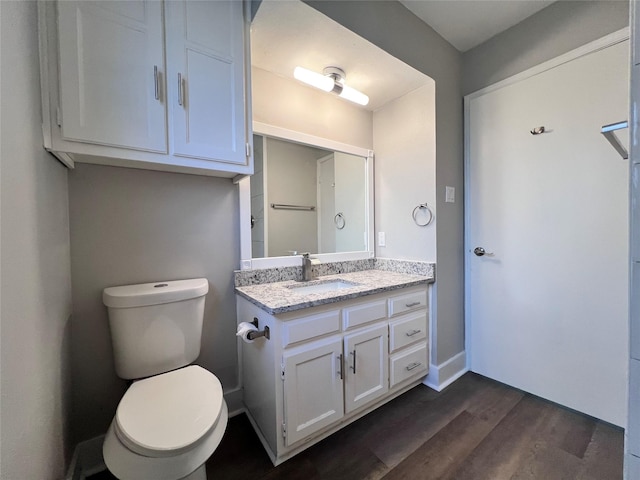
[(282, 371), (58, 117), (247, 149), (284, 430)]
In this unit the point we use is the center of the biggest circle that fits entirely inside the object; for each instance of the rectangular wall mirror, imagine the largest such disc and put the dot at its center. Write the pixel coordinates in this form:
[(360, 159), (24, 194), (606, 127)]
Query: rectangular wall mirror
[(308, 194)]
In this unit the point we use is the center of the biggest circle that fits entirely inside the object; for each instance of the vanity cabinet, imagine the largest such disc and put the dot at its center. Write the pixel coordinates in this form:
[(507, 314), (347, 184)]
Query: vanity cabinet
[(147, 84), (323, 367)]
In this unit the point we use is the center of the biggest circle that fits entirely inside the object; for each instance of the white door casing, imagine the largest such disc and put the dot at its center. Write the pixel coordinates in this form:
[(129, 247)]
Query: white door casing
[(547, 312)]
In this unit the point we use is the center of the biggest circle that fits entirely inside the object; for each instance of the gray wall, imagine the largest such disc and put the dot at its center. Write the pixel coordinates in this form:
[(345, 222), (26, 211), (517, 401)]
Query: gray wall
[(132, 226), (36, 280), (557, 29), (291, 180), (390, 26)]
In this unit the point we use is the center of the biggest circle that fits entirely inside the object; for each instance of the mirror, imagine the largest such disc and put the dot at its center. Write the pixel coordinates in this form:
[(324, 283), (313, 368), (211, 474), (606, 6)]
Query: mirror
[(306, 199)]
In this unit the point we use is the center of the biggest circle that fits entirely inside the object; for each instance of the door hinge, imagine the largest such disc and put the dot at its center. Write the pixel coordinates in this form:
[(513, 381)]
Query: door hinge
[(58, 117), (247, 149), (284, 430)]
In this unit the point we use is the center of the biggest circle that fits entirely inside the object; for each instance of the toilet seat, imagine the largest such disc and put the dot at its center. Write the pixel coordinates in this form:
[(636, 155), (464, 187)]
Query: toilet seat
[(169, 414)]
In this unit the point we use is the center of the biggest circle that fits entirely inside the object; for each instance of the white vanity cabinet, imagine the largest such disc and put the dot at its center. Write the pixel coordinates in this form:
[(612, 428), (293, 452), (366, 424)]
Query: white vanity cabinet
[(147, 84), (325, 366)]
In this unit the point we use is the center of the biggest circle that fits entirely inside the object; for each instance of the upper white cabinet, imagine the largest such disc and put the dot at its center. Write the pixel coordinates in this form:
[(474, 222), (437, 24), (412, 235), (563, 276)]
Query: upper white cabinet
[(109, 52), (205, 63), (147, 84)]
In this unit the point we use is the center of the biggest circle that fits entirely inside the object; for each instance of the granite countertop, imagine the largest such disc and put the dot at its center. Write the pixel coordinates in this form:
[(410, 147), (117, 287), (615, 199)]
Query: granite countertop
[(279, 297)]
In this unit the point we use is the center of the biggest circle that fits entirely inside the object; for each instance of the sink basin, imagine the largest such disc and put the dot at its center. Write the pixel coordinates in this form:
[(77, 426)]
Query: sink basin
[(322, 286)]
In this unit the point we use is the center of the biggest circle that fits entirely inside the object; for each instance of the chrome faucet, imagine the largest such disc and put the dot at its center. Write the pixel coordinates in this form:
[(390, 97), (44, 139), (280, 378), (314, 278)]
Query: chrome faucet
[(307, 268)]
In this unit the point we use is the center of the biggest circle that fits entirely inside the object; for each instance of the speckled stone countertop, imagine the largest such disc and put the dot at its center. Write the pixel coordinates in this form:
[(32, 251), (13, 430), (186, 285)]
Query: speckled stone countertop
[(281, 297)]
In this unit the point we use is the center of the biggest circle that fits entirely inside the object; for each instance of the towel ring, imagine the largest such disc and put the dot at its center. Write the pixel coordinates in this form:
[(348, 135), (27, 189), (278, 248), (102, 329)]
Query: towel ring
[(339, 220), (414, 214)]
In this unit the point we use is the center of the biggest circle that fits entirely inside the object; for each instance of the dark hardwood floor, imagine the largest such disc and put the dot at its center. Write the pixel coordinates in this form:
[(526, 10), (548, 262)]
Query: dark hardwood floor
[(476, 429)]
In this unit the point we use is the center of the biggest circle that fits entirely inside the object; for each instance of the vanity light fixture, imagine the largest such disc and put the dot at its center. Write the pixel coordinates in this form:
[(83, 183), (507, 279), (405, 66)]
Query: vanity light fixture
[(331, 80)]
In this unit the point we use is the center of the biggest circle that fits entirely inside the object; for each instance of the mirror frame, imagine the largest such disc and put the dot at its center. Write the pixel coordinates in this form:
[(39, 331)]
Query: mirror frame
[(264, 129)]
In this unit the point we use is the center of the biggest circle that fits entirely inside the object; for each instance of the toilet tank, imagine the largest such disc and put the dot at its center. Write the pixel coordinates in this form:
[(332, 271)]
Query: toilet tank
[(155, 327)]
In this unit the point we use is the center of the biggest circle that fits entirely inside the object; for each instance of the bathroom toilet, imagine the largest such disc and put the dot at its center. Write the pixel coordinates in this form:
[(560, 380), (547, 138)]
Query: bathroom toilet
[(173, 416)]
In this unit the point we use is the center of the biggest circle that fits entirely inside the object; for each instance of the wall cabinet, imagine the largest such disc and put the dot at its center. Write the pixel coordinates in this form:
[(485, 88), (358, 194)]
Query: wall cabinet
[(326, 366), (147, 84)]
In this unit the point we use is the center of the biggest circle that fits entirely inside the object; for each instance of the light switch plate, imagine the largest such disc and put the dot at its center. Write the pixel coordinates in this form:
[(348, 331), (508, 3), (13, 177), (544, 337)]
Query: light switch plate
[(449, 194), (382, 239)]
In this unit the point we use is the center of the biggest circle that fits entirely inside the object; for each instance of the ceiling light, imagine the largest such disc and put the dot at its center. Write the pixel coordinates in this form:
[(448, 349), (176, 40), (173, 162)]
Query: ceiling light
[(331, 80)]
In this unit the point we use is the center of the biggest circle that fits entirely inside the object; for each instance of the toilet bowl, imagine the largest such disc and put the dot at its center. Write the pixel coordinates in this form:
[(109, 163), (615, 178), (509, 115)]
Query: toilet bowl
[(173, 416), (167, 426)]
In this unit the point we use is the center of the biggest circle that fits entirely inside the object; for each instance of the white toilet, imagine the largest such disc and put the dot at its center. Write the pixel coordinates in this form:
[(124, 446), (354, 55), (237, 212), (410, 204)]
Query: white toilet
[(172, 418)]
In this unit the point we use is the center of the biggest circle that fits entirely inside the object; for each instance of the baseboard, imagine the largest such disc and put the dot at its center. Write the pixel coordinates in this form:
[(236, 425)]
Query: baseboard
[(234, 400), (87, 459), (443, 375)]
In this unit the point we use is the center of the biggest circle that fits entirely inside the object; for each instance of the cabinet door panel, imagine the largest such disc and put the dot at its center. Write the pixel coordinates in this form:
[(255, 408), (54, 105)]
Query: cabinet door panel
[(367, 376), (109, 52), (313, 389), (206, 45)]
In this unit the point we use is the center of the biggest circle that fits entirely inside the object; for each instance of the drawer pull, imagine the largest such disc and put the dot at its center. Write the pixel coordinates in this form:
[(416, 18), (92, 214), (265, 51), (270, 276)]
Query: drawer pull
[(413, 365), (412, 304), (412, 333)]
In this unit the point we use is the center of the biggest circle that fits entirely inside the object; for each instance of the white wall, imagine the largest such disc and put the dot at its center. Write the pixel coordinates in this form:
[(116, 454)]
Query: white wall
[(134, 226), (286, 103), (350, 200), (36, 283), (404, 145)]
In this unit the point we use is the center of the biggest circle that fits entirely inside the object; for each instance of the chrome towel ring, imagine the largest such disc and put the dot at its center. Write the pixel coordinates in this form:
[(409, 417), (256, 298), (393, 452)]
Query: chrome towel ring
[(339, 220), (416, 211)]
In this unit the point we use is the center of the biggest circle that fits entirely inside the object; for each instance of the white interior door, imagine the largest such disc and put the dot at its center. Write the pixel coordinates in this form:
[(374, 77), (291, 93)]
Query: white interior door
[(547, 312), (326, 204)]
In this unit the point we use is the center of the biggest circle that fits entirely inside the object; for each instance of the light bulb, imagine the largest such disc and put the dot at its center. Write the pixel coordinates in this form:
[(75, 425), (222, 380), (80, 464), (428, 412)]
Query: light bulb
[(354, 95), (314, 79)]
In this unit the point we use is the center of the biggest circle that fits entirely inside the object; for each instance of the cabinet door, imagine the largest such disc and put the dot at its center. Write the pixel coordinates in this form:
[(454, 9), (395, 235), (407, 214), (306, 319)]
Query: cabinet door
[(110, 67), (313, 389), (367, 375), (205, 41)]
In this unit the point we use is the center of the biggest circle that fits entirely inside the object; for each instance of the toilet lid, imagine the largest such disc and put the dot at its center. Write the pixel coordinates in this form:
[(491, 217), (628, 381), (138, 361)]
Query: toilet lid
[(168, 414)]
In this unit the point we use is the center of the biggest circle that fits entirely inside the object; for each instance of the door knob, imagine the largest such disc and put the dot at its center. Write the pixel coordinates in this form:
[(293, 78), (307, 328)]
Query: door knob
[(480, 252)]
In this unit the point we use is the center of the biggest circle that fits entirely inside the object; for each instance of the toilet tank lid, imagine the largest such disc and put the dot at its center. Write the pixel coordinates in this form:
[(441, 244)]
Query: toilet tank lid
[(155, 293)]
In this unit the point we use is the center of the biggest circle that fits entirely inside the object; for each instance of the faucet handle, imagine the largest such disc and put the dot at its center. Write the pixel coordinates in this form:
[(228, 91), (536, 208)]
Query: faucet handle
[(305, 255)]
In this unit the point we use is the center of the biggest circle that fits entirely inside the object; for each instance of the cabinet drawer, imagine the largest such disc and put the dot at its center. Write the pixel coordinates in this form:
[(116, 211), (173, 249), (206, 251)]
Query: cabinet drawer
[(365, 313), (407, 302), (407, 364), (407, 330), (313, 326)]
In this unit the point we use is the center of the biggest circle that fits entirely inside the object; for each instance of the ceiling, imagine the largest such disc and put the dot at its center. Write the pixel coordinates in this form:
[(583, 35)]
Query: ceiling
[(468, 23), (286, 34), (289, 33)]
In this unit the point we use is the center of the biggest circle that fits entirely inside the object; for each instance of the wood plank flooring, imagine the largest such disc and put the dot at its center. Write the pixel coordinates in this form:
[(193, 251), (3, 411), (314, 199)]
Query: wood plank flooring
[(476, 429)]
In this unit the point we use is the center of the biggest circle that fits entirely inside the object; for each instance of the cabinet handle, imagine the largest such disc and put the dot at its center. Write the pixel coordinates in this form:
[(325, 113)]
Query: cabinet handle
[(341, 365), (413, 332), (353, 367), (412, 304), (180, 91), (156, 82), (413, 365)]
